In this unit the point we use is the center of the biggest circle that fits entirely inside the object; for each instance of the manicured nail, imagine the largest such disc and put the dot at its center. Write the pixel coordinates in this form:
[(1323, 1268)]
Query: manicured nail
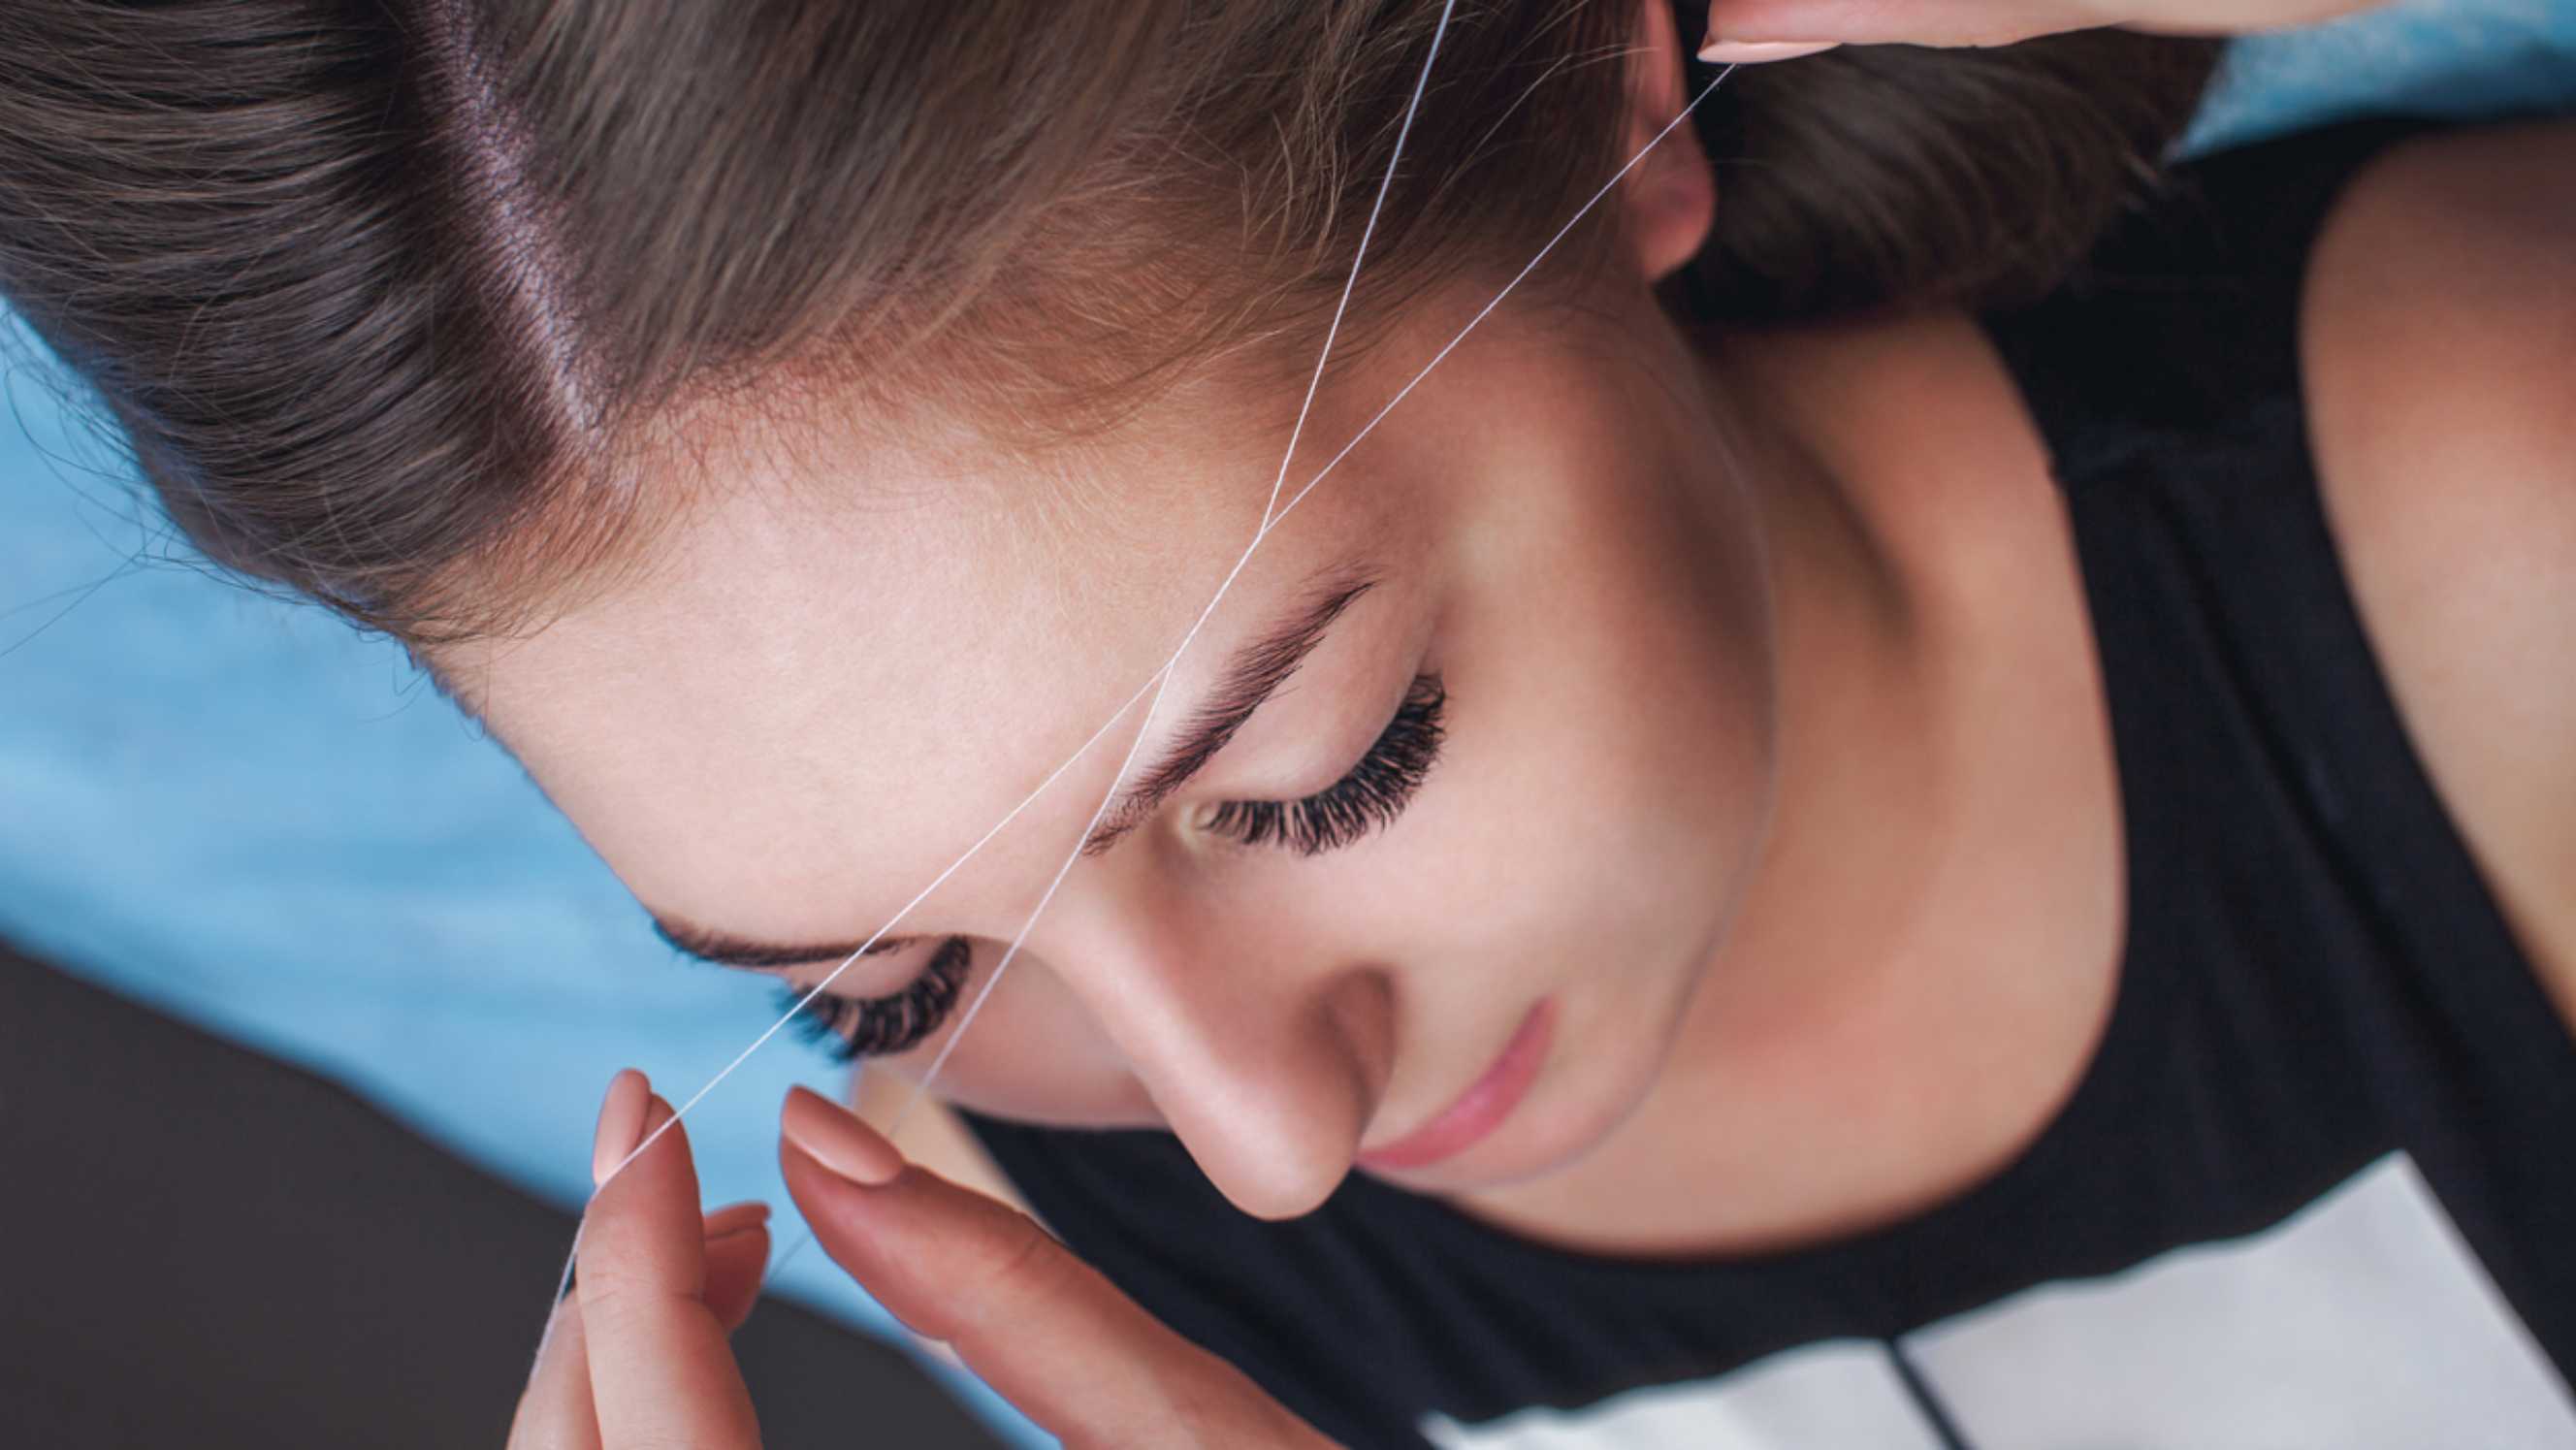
[(1755, 52), (834, 1137), (735, 1218), (621, 1124)]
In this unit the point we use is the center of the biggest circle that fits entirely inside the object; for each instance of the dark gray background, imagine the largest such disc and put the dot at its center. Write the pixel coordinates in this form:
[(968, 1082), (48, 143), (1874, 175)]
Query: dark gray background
[(227, 1251)]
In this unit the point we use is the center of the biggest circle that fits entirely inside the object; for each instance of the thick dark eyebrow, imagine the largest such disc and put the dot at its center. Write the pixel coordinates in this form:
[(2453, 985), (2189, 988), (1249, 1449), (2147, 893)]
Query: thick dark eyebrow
[(1249, 679), (725, 950)]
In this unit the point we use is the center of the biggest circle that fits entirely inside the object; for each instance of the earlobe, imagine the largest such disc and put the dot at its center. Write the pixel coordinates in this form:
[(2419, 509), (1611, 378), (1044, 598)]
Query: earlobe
[(1670, 200)]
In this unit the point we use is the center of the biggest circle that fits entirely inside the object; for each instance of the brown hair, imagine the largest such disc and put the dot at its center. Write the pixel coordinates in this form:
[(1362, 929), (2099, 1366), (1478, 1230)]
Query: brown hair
[(390, 300)]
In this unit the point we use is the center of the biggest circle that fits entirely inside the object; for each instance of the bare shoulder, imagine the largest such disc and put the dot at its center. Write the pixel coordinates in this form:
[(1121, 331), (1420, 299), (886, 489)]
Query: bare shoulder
[(2439, 336), (934, 1137)]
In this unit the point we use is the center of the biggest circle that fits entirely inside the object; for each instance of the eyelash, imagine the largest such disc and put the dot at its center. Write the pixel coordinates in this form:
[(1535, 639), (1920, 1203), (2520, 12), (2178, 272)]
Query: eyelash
[(850, 1028), (1369, 798)]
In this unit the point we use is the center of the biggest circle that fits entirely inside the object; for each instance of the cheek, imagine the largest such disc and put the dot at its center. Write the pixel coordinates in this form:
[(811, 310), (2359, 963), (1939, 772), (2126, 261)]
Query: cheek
[(1609, 778), (1613, 742)]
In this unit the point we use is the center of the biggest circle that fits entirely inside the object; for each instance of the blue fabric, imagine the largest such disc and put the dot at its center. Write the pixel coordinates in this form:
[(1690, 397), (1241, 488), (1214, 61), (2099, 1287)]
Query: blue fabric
[(2421, 58), (239, 811)]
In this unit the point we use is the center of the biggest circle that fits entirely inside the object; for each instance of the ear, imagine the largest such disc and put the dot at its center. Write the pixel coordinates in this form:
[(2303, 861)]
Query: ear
[(1670, 199)]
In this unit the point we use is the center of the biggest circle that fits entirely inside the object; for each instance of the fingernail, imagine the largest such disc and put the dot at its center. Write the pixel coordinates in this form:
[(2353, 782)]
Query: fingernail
[(621, 1123), (1755, 52), (834, 1137)]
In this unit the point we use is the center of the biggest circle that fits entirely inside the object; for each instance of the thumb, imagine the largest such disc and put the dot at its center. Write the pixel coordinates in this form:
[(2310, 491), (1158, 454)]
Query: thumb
[(737, 1247), (1027, 1316)]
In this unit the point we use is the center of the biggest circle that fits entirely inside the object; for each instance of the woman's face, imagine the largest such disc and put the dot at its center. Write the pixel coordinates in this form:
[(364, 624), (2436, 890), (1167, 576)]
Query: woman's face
[(841, 672), (1481, 737)]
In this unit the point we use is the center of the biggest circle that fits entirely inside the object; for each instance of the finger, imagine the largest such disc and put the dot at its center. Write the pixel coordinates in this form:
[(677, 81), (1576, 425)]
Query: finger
[(555, 1411), (661, 1372), (1020, 1309), (737, 1240), (621, 1122), (1749, 31), (1759, 52), (1755, 30), (736, 1263)]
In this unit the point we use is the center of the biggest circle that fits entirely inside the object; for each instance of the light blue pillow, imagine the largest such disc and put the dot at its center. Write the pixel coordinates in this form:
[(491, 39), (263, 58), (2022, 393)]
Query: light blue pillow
[(243, 813), (2421, 58)]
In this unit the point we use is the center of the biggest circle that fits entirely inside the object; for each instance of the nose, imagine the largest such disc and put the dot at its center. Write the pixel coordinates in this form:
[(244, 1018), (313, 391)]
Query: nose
[(1263, 1046)]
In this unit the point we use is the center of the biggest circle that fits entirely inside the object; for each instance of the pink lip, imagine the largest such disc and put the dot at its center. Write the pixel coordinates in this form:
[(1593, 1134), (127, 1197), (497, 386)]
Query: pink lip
[(1480, 1107)]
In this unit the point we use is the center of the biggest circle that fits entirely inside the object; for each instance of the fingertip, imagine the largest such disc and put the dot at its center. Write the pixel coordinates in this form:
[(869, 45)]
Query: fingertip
[(1757, 52), (835, 1138), (1734, 30), (621, 1123)]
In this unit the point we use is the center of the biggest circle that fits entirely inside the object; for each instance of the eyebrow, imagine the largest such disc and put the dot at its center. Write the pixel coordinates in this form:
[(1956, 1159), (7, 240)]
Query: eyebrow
[(1250, 678), (1248, 681)]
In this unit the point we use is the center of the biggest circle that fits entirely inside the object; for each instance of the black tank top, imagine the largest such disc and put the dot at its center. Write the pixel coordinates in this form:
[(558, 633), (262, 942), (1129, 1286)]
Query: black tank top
[(2317, 1187)]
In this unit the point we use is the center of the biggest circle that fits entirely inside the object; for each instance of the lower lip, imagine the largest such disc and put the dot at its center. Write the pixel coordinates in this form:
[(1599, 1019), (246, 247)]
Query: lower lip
[(1481, 1107)]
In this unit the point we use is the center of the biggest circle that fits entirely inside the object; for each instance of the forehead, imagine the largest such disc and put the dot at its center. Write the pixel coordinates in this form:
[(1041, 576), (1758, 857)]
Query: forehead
[(852, 662)]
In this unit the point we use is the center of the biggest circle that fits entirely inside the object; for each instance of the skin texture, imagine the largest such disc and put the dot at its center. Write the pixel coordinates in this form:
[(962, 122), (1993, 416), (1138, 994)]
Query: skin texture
[(1777, 764)]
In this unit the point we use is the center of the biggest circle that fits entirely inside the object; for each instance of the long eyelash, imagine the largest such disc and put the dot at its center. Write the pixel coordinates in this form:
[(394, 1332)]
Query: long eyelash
[(1369, 798), (850, 1028)]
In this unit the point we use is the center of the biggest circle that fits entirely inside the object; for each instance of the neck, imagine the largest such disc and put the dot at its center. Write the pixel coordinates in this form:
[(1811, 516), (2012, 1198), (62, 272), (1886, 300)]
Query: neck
[(1800, 1036)]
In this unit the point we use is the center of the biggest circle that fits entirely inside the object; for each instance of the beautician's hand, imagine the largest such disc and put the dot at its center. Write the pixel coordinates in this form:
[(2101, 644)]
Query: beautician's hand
[(1033, 1321), (637, 1356), (1751, 31)]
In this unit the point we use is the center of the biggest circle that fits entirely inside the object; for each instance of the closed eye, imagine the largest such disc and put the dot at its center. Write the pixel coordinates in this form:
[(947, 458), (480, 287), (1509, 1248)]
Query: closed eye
[(850, 1028), (1369, 798)]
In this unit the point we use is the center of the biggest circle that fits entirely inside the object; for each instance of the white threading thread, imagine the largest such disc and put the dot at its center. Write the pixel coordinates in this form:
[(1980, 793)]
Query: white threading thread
[(1160, 681), (1157, 681), (1517, 278), (1350, 284)]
